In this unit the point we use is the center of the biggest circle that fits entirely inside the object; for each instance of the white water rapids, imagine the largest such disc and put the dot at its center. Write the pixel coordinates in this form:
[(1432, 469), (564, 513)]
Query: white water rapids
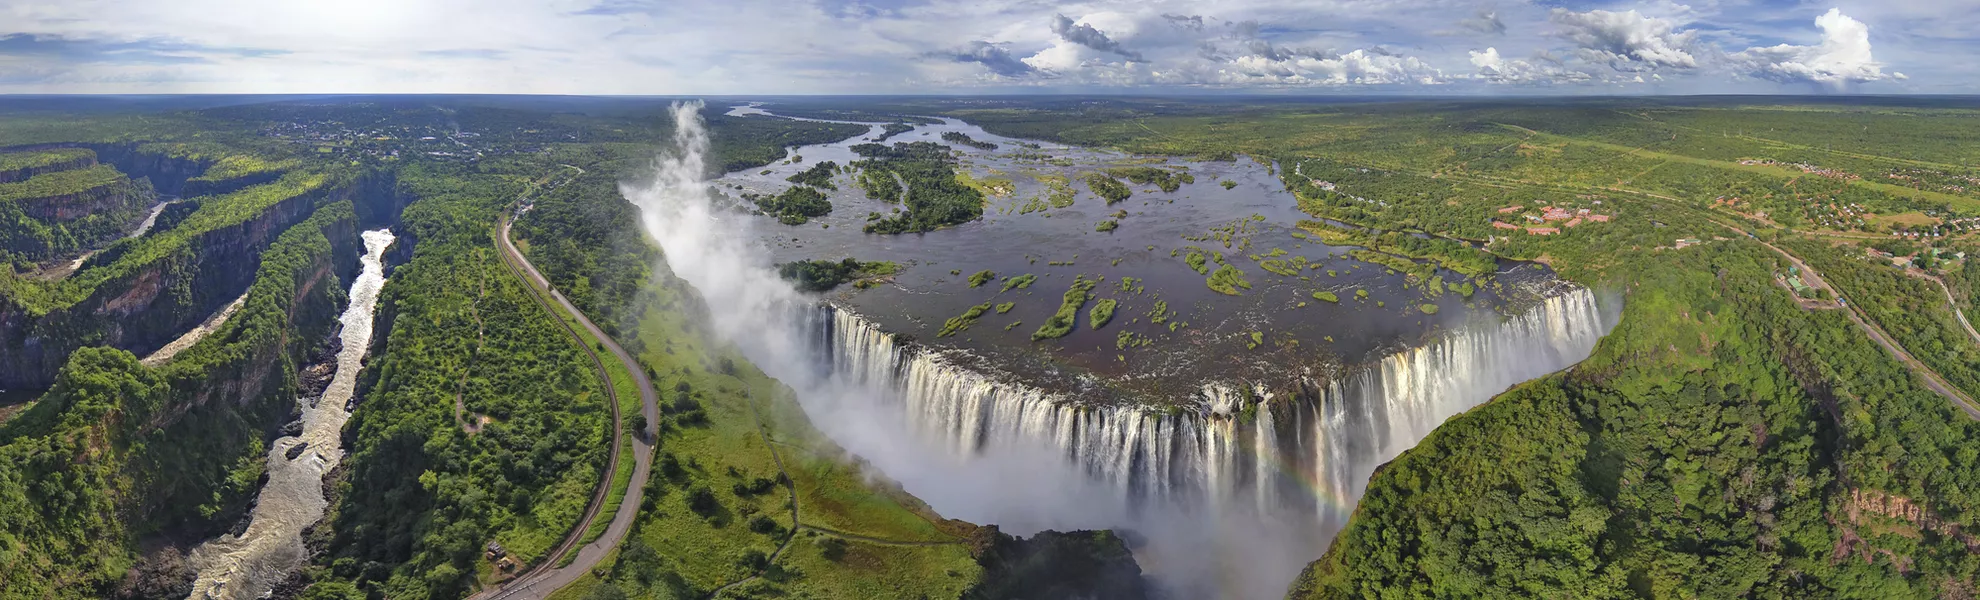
[(249, 565), (1218, 504)]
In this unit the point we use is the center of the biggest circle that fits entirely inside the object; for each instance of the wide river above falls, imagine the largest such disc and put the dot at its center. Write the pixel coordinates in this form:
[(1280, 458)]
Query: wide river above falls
[(1275, 329)]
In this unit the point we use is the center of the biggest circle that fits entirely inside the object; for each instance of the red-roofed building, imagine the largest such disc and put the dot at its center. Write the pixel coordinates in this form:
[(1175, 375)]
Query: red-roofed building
[(1501, 225), (1574, 222), (1599, 218), (1542, 230), (1557, 214), (1511, 209)]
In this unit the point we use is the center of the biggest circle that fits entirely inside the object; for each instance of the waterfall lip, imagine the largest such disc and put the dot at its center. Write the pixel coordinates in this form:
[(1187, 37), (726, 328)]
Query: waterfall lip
[(1208, 396)]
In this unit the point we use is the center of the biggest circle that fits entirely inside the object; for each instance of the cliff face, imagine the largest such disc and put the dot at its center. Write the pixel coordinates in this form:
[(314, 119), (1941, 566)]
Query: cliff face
[(19, 175), (122, 197), (116, 451), (167, 174), (160, 301)]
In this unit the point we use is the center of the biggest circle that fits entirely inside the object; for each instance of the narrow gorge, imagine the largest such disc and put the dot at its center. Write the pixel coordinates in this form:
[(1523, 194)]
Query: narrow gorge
[(248, 563)]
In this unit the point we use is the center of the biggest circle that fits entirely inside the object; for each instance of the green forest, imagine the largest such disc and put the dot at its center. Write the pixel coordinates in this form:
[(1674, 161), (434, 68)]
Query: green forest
[(934, 198)]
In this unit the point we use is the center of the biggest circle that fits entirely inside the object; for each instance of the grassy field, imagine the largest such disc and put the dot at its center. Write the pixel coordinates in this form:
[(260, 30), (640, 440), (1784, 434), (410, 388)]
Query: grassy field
[(675, 551)]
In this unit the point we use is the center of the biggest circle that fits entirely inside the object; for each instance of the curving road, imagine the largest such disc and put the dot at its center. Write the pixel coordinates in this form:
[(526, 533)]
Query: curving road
[(546, 578), (1931, 378)]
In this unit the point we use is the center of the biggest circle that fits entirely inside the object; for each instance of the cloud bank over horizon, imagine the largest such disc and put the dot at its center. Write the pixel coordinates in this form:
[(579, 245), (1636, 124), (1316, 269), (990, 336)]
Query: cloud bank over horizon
[(962, 46)]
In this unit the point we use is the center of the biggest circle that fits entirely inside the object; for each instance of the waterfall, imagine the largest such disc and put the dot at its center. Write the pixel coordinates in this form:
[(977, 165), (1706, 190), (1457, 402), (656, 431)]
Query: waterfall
[(1226, 497), (1308, 454)]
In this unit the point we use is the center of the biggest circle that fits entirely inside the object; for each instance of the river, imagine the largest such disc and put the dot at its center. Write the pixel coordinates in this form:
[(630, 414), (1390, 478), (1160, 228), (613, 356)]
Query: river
[(249, 565)]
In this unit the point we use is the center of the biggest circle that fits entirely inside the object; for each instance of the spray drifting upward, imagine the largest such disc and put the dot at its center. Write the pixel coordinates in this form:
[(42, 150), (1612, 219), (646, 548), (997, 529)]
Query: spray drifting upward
[(1207, 499)]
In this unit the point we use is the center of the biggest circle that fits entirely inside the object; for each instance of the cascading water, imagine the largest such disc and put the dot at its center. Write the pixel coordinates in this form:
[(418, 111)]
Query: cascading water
[(249, 565), (1322, 442), (1227, 499)]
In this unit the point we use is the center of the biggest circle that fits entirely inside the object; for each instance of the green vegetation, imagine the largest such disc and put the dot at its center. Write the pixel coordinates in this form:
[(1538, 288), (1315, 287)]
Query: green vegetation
[(1018, 283), (1196, 263), (1327, 297), (1107, 225), (17, 166), (957, 137), (893, 129), (1061, 190), (243, 166), (1228, 184), (415, 512), (818, 176), (1450, 254), (978, 278), (1062, 321), (957, 324), (1102, 312), (61, 183), (1428, 309), (58, 212), (1227, 280), (718, 505), (743, 143), (1168, 181), (824, 275), (935, 198), (1004, 307), (1107, 187), (1746, 478), (126, 258), (795, 206)]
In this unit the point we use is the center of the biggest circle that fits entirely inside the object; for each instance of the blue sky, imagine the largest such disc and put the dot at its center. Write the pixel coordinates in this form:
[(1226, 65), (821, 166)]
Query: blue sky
[(984, 46)]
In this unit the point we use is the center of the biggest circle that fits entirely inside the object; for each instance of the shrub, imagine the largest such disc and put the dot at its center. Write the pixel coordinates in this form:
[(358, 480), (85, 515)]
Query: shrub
[(1103, 311)]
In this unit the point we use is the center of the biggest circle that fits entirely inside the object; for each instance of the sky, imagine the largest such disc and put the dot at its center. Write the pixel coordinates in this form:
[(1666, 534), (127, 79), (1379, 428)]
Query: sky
[(756, 47)]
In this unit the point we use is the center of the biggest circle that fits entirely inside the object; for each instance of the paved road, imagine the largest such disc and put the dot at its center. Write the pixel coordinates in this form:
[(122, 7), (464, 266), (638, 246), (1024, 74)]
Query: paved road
[(1932, 379), (542, 581)]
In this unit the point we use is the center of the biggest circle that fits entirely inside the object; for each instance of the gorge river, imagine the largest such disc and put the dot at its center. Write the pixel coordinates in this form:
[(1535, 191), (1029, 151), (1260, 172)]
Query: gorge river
[(249, 565)]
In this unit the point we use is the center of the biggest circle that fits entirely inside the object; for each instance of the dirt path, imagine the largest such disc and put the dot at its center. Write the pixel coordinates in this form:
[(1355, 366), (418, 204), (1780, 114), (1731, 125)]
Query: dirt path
[(545, 578), (880, 541), (790, 487), (1950, 301)]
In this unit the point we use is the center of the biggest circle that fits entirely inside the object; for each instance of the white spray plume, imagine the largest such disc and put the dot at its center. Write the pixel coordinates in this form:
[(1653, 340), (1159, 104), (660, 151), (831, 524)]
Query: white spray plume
[(1205, 552)]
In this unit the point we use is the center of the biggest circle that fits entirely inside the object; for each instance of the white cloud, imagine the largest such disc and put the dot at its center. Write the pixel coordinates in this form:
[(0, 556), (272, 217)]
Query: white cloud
[(1627, 41), (1843, 57), (1498, 69), (1360, 67), (861, 46)]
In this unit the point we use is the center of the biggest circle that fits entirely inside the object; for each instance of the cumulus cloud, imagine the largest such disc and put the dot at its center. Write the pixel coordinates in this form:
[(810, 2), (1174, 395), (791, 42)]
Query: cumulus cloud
[(1627, 41), (1843, 57), (1360, 67), (1085, 35), (991, 56)]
